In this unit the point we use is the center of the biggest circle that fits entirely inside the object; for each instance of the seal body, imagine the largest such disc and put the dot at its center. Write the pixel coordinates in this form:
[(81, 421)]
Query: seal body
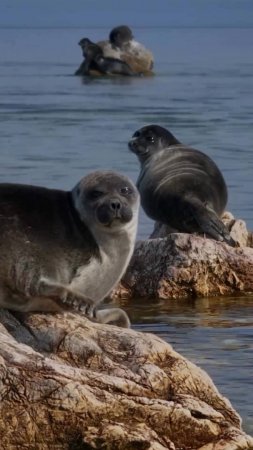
[(179, 186), (55, 244), (96, 61), (122, 45)]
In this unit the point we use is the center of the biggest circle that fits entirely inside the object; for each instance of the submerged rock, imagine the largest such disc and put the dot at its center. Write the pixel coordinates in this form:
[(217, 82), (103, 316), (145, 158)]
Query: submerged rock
[(68, 383)]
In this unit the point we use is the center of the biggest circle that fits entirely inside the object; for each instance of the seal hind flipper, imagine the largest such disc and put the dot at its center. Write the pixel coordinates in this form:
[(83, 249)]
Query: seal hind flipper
[(207, 221)]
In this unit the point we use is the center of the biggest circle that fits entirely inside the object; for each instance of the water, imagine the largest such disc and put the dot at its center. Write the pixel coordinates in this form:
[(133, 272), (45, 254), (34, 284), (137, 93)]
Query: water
[(214, 333), (55, 127)]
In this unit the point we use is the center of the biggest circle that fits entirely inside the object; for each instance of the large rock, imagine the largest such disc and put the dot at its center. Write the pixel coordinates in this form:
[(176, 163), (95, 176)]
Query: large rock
[(139, 58), (68, 383), (174, 265)]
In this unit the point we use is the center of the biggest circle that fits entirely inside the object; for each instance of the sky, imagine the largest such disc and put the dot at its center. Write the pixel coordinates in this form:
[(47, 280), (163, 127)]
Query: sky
[(146, 13)]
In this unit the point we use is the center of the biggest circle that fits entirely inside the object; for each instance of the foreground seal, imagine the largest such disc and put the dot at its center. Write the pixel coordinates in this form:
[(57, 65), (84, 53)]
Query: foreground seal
[(179, 186), (123, 46), (95, 61), (58, 248)]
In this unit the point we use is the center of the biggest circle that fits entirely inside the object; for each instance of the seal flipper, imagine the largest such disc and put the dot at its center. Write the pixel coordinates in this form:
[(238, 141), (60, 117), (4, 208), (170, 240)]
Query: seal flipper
[(207, 221), (116, 315)]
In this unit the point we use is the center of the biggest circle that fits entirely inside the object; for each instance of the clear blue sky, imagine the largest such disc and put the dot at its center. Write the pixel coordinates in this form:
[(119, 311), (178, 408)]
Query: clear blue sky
[(89, 13)]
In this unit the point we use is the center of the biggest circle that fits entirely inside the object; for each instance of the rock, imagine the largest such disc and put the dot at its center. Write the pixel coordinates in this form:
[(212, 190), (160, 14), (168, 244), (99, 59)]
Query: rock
[(237, 228), (175, 265), (68, 383), (139, 58)]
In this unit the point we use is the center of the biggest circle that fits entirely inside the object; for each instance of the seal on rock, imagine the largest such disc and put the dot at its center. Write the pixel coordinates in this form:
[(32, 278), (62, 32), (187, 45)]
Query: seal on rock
[(123, 46), (63, 247), (179, 186), (95, 61)]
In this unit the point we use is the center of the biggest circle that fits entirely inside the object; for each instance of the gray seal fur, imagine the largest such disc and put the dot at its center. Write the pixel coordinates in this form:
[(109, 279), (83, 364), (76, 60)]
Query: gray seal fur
[(179, 186), (59, 248)]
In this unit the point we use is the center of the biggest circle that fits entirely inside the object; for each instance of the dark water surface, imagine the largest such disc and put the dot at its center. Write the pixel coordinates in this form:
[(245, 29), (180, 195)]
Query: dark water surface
[(55, 127)]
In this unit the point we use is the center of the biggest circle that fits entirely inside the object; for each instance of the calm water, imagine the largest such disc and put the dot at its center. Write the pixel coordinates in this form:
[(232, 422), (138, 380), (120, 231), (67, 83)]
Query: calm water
[(54, 128)]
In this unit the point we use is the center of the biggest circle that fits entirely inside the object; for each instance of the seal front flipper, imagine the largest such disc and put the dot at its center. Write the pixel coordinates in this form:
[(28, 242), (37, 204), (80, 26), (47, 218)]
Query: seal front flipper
[(208, 222), (63, 293), (116, 315)]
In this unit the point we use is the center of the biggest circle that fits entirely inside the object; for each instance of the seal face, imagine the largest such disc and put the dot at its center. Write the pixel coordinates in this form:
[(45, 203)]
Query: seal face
[(96, 61), (105, 200), (56, 244), (179, 186)]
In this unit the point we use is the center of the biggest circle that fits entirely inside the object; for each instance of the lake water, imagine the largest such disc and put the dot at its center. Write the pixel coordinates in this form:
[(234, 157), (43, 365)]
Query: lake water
[(55, 127)]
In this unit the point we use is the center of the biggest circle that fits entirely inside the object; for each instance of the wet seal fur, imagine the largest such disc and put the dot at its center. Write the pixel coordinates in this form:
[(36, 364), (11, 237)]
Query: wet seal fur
[(59, 248), (122, 45), (180, 186), (96, 61)]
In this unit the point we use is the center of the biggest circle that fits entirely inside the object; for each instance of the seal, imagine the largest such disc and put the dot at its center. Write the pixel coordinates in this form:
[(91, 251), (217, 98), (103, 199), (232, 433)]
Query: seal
[(95, 61), (61, 248), (123, 46), (179, 186), (121, 36)]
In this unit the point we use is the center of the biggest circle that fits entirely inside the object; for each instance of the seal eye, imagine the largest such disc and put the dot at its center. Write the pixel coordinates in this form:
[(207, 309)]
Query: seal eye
[(150, 139), (126, 190), (93, 195), (136, 134)]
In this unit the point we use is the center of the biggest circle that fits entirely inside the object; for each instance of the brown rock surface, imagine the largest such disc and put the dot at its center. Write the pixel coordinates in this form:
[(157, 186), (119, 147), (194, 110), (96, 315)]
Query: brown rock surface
[(174, 265), (68, 383), (140, 59)]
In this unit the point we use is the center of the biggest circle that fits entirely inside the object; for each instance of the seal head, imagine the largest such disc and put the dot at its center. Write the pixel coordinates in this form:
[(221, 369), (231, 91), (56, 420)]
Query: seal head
[(105, 199), (120, 36), (148, 140), (179, 186)]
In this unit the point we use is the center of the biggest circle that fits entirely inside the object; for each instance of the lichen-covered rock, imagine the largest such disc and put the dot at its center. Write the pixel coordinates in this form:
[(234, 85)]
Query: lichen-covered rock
[(68, 383)]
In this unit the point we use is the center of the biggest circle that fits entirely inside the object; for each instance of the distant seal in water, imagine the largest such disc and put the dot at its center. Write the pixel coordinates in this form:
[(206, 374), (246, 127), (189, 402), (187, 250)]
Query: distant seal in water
[(95, 60), (58, 247), (123, 46), (121, 36), (179, 186)]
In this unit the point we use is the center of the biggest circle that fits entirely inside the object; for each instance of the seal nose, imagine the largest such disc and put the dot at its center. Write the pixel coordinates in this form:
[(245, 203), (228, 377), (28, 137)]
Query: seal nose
[(132, 144), (115, 205)]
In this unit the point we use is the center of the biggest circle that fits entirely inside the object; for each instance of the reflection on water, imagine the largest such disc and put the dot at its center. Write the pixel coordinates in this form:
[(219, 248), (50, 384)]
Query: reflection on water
[(214, 333)]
